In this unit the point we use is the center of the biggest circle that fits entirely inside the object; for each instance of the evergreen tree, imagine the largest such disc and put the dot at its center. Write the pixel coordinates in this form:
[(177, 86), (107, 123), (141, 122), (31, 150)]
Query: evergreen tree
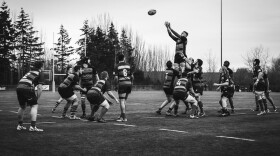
[(7, 58), (83, 42), (63, 49), (127, 49), (30, 49)]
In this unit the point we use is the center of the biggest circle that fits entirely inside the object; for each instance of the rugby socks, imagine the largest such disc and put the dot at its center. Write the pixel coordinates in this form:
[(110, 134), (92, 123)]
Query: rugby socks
[(261, 104), (265, 104), (20, 123), (33, 123), (56, 105), (200, 105), (231, 103), (176, 109), (83, 105)]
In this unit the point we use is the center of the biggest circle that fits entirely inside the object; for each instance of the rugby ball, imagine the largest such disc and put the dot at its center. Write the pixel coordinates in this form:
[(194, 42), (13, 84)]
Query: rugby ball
[(152, 12)]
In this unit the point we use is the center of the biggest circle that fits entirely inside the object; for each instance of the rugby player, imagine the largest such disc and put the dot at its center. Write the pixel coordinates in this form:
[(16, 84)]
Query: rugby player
[(223, 84), (168, 85), (267, 91), (66, 91), (182, 91), (123, 80), (27, 96), (231, 87), (181, 60), (96, 98), (87, 81), (196, 76), (69, 71)]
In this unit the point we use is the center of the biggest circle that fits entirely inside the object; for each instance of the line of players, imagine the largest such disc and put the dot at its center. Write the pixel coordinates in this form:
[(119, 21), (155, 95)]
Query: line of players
[(78, 78)]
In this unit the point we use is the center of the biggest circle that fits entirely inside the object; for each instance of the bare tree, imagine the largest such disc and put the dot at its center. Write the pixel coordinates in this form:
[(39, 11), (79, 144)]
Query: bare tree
[(256, 53), (211, 62)]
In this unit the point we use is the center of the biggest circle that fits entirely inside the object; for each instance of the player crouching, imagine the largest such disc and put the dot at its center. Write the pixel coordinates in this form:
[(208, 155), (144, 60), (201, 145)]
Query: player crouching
[(96, 98), (180, 92), (66, 91)]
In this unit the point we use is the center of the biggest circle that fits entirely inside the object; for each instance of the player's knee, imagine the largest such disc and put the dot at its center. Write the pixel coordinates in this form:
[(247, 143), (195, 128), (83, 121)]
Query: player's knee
[(105, 104)]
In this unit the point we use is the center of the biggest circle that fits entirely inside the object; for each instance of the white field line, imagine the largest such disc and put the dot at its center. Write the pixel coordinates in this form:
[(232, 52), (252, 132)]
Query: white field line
[(170, 130), (40, 123), (235, 138), (154, 117), (125, 125)]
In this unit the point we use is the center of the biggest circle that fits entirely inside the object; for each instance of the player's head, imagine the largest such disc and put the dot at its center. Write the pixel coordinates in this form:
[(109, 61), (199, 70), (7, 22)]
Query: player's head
[(85, 62), (199, 62), (226, 64), (121, 57), (38, 65), (104, 75), (256, 62), (77, 69), (169, 64), (69, 69), (191, 59), (223, 70), (185, 34)]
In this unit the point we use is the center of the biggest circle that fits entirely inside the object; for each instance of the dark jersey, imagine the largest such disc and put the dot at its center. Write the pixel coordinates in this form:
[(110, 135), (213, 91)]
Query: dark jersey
[(124, 74), (196, 77), (70, 81), (256, 71), (31, 80), (102, 86), (87, 76), (181, 44), (169, 78)]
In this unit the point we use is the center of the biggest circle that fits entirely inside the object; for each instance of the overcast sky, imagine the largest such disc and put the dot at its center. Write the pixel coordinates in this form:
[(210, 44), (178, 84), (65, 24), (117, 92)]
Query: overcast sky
[(246, 23)]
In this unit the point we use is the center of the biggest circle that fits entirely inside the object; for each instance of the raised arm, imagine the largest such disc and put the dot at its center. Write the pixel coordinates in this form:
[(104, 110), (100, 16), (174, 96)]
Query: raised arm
[(167, 24)]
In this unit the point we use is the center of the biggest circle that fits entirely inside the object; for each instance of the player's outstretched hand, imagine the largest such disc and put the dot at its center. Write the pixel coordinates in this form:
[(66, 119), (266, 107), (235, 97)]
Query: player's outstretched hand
[(167, 24)]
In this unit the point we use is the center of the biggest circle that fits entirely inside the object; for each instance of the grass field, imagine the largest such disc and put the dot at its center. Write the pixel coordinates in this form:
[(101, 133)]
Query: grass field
[(145, 133)]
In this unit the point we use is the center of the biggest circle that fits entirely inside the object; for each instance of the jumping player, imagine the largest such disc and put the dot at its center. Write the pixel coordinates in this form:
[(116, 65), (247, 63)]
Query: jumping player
[(196, 76), (181, 60), (87, 81), (123, 81), (168, 86), (27, 96), (96, 98), (69, 71), (66, 91), (223, 84)]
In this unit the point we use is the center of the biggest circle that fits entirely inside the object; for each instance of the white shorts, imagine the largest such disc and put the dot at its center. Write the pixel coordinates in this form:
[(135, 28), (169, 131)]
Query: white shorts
[(260, 95), (72, 97)]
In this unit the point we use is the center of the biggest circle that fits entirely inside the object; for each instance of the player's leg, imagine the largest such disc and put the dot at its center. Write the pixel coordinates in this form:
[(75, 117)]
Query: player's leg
[(269, 98), (57, 103), (66, 107), (200, 105), (166, 102), (105, 107), (122, 107), (225, 112), (194, 105), (175, 102), (83, 104), (74, 107), (21, 110), (259, 98)]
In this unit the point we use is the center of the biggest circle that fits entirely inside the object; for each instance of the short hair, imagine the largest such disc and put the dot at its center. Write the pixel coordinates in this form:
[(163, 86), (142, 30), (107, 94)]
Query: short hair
[(226, 63), (257, 61), (68, 67), (120, 56), (76, 68), (169, 64), (38, 65), (103, 75), (200, 62), (186, 33)]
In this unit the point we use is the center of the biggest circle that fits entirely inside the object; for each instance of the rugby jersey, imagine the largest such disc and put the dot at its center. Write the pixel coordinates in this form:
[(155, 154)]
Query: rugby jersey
[(102, 86), (87, 76), (123, 71), (197, 76), (181, 45), (182, 85), (70, 81), (31, 80), (169, 78)]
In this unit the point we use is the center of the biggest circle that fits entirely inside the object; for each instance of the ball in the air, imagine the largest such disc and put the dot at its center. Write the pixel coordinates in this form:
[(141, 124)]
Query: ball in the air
[(152, 12)]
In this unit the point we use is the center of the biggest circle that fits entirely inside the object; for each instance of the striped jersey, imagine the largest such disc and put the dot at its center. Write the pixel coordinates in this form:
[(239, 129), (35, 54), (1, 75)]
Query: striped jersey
[(102, 86), (31, 80), (87, 76), (169, 78), (182, 85), (196, 77), (70, 81), (123, 71), (181, 45)]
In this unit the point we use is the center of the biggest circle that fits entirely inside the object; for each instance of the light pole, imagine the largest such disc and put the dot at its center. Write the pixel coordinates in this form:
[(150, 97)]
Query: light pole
[(53, 82), (221, 32)]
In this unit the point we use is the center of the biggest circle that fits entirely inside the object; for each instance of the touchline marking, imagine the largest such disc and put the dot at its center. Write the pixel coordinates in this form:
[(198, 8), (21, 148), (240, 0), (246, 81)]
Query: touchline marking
[(40, 123), (125, 125), (236, 138), (173, 130)]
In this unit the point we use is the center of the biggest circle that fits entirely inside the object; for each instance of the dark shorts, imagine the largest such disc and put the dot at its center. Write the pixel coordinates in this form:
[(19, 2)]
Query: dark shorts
[(230, 92), (65, 92), (88, 87), (198, 87), (95, 97), (26, 97), (124, 89), (168, 91), (179, 58), (180, 95)]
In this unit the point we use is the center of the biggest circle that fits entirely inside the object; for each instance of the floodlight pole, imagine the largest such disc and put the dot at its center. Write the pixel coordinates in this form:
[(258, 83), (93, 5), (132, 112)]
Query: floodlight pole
[(85, 44), (53, 82), (221, 32)]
